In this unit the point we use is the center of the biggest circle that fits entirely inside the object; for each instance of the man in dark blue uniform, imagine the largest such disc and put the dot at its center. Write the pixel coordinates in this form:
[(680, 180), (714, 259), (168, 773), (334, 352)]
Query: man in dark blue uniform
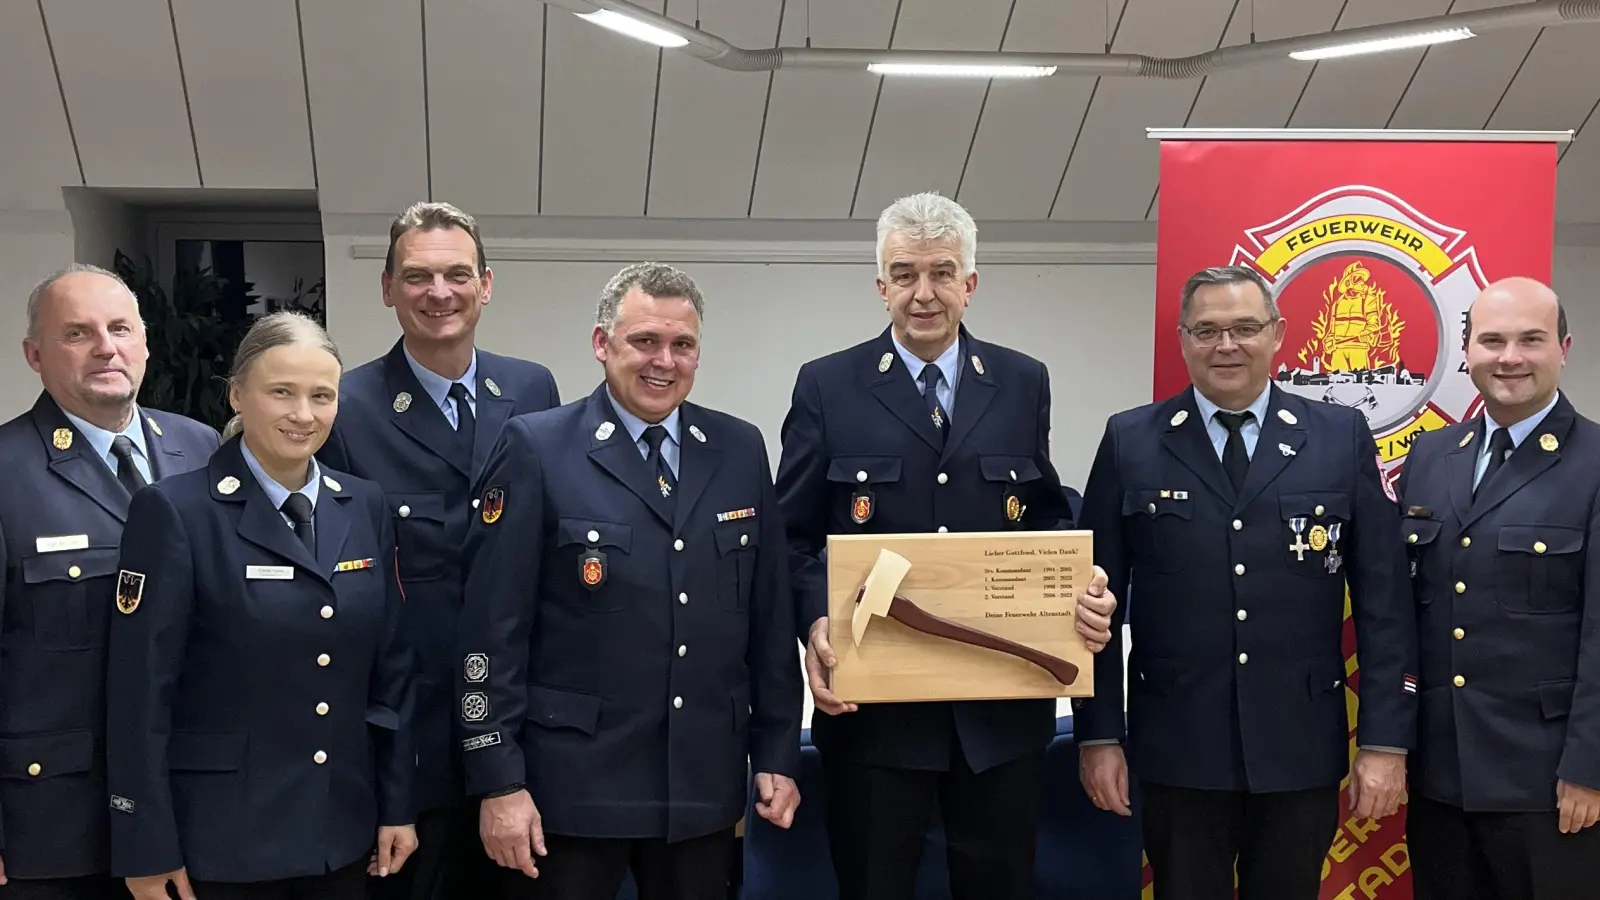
[(1236, 514), (924, 428), (72, 463), (421, 421), (627, 645), (1502, 520)]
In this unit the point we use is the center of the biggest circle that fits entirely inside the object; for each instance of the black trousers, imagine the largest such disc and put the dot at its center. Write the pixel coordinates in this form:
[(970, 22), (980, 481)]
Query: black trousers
[(449, 861), (878, 820), (348, 883), (1458, 855), (1194, 838), (93, 887), (593, 868)]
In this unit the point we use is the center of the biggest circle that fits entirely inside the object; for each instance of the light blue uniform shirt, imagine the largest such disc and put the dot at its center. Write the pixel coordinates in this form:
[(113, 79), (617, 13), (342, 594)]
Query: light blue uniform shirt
[(1519, 433), (100, 439), (949, 363), (636, 427), (1251, 431), (438, 387), (276, 492)]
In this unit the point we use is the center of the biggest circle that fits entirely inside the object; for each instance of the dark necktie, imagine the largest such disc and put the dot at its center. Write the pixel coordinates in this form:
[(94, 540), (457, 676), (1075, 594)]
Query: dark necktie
[(654, 436), (1499, 446), (127, 470), (931, 376), (298, 508), (466, 422), (1235, 461)]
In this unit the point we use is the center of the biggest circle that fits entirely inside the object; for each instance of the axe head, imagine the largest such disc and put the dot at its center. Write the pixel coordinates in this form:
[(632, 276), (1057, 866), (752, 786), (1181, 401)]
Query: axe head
[(877, 592)]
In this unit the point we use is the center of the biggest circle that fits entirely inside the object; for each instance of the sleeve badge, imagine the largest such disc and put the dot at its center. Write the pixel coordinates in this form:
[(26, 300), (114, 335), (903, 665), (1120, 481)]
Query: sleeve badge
[(130, 590)]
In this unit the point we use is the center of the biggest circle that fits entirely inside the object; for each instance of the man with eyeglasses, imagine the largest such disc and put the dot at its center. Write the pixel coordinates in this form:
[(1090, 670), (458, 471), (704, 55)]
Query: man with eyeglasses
[(1233, 516)]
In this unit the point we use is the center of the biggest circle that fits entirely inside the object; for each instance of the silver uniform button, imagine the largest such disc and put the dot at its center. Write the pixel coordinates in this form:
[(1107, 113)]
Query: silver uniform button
[(475, 502), (861, 476), (943, 529), (682, 649), (677, 703), (744, 540), (320, 757), (677, 544), (684, 599), (1242, 615), (1244, 658), (943, 478), (1237, 524), (1238, 569), (322, 709), (404, 511), (594, 536), (327, 612), (324, 659)]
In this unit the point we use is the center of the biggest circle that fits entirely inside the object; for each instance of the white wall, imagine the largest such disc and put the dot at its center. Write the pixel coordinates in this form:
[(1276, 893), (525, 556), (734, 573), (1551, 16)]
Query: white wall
[(32, 245), (102, 225)]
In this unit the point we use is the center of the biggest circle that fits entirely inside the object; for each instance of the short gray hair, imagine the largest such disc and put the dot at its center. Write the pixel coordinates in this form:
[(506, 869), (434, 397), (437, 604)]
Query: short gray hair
[(36, 296), (653, 278), (929, 217), (433, 216), (1224, 275), (279, 329)]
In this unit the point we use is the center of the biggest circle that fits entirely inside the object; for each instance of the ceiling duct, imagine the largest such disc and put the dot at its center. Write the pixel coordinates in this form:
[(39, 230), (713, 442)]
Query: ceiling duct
[(720, 53)]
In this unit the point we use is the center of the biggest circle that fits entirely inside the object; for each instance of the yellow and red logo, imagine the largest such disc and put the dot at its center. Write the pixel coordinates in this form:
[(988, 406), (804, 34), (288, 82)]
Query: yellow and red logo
[(592, 572), (861, 509)]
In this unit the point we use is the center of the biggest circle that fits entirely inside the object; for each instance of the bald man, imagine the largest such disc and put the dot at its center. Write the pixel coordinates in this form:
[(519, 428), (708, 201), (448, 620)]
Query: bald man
[(72, 463), (1502, 523)]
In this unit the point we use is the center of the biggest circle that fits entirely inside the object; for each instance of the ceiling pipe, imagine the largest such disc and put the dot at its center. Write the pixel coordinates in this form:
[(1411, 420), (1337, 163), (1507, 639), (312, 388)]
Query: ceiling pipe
[(720, 53)]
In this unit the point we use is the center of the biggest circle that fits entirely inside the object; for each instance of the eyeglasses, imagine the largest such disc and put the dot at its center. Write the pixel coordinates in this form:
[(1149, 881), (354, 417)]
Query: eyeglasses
[(1210, 335)]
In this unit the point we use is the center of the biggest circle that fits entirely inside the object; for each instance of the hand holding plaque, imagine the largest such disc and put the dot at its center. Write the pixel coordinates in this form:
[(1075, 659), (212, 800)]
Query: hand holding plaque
[(958, 616)]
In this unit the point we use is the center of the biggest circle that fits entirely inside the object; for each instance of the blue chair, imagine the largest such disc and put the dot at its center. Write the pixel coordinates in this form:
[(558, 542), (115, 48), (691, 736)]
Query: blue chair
[(1083, 853)]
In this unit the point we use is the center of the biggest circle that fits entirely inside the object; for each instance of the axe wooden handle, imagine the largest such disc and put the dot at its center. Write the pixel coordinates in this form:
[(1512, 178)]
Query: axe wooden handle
[(915, 617)]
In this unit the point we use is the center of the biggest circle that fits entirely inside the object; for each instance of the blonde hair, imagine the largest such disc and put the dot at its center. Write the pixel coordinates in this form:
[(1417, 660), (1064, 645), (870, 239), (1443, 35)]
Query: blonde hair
[(279, 329)]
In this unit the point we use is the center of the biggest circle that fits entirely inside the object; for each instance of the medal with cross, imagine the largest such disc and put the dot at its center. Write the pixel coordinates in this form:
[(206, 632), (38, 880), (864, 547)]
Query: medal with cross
[(1299, 547), (1334, 560)]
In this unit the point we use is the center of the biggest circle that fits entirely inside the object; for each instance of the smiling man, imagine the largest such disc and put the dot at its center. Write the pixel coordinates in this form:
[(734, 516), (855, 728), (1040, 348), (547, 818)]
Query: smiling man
[(923, 428), (420, 421), (627, 645), (72, 464), (1502, 520), (1236, 514)]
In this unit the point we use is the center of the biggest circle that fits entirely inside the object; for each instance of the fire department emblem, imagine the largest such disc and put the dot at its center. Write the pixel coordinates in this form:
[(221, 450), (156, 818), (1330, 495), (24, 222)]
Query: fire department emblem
[(1374, 295)]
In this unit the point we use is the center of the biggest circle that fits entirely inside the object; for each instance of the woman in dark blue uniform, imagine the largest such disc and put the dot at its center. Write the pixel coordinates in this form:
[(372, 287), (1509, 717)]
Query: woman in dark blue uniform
[(260, 692)]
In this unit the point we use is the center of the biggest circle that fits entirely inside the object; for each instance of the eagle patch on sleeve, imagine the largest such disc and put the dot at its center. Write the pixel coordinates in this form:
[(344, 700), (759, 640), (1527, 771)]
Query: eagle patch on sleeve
[(130, 590)]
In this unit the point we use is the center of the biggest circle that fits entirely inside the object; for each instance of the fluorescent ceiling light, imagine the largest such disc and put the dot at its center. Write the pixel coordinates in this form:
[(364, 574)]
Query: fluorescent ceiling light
[(1403, 42), (633, 28), (963, 71)]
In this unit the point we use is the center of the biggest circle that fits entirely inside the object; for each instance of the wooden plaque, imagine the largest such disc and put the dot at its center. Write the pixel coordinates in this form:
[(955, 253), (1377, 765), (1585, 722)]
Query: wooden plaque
[(1020, 586)]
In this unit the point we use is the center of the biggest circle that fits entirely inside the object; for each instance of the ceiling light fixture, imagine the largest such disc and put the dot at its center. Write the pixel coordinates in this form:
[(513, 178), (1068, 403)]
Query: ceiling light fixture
[(1401, 42), (961, 71), (633, 28)]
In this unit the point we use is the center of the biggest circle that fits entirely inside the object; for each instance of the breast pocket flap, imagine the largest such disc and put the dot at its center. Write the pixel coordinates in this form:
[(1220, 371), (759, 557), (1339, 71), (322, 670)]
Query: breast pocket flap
[(429, 506), (733, 536), (1154, 503), (1315, 506), (1420, 532), (595, 533), (75, 565), (1011, 469), (1540, 540), (864, 469)]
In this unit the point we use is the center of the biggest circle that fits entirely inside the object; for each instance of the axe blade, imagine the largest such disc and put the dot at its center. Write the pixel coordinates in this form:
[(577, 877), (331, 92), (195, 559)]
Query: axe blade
[(878, 591)]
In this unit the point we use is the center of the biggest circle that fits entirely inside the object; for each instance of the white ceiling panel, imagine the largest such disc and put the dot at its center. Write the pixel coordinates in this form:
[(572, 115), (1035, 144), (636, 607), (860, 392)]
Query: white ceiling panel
[(817, 120), (1459, 83), (923, 128), (1557, 86), (1114, 167), (1362, 91), (368, 114), (242, 90), (599, 115), (1027, 127), (708, 120), (120, 73), (485, 63), (1578, 176), (39, 158)]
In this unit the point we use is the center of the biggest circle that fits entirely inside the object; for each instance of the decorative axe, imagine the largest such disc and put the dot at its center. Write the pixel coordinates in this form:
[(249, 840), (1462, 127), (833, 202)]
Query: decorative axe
[(877, 597)]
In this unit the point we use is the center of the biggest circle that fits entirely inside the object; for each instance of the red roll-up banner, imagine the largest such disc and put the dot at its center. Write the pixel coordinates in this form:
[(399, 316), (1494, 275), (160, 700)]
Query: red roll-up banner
[(1375, 244)]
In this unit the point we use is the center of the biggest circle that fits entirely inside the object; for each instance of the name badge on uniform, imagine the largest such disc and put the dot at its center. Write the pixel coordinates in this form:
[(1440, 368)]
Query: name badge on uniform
[(61, 542), (269, 573)]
